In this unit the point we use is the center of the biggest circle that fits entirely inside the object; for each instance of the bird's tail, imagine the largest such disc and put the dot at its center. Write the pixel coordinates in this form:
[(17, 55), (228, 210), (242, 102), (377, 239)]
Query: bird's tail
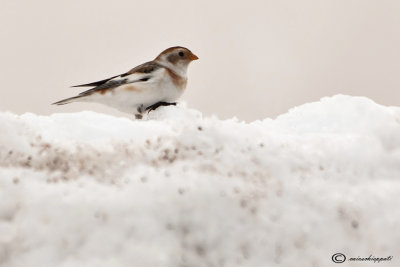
[(68, 100)]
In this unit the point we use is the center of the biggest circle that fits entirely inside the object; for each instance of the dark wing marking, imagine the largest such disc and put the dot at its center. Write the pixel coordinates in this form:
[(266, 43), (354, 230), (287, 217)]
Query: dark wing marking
[(147, 67), (95, 83), (105, 86)]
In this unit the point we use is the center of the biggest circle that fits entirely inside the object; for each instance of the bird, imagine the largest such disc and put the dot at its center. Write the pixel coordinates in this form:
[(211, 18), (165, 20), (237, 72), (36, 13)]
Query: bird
[(146, 87)]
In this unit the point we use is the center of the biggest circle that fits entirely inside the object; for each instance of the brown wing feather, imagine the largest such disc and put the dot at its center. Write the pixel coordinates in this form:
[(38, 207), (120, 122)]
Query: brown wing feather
[(147, 67)]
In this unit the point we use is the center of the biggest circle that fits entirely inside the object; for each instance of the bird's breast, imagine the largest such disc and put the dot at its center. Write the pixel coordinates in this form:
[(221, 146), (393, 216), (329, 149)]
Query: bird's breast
[(179, 81)]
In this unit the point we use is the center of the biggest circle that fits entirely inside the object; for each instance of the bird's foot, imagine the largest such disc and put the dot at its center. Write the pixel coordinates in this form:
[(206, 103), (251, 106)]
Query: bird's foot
[(159, 104), (140, 111)]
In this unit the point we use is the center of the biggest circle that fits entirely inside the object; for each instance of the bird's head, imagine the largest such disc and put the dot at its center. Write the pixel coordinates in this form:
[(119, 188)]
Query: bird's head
[(177, 58)]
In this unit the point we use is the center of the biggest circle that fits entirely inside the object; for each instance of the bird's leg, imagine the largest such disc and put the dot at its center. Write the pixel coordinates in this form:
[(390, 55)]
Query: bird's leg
[(159, 104), (140, 109)]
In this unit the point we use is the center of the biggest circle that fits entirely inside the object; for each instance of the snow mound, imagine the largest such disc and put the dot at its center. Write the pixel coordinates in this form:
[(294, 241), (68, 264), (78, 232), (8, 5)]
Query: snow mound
[(89, 189)]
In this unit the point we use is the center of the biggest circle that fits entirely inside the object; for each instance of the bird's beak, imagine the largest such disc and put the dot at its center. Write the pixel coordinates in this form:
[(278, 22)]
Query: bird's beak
[(193, 57)]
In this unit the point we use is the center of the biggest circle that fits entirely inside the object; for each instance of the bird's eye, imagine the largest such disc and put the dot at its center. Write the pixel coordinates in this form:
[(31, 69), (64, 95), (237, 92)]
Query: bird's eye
[(181, 54)]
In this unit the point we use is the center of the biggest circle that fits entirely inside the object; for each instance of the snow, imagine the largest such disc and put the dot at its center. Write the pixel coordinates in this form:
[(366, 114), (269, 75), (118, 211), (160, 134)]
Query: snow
[(178, 189)]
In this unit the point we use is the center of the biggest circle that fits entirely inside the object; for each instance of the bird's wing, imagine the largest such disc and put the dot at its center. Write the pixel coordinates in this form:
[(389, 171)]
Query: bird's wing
[(141, 73), (95, 83)]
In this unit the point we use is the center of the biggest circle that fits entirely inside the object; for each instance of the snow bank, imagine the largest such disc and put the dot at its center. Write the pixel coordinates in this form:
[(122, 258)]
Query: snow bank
[(180, 190)]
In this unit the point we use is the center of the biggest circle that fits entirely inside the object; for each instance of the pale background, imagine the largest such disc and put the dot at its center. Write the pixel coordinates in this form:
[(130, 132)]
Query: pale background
[(257, 58)]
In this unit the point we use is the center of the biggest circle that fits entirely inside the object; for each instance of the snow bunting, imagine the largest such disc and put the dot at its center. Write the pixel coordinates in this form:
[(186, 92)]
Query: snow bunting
[(144, 88)]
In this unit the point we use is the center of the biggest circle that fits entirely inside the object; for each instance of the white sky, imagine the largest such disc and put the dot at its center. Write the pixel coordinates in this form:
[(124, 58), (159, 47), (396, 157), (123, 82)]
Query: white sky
[(257, 58)]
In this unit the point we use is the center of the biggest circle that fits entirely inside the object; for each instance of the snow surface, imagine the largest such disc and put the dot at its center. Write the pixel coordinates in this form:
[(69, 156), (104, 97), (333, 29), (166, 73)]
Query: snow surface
[(180, 190)]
